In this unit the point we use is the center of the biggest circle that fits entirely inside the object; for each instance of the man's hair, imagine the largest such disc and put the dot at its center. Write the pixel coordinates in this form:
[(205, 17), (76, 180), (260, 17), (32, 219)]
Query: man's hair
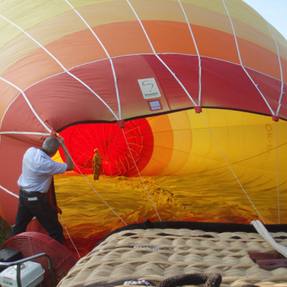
[(50, 145)]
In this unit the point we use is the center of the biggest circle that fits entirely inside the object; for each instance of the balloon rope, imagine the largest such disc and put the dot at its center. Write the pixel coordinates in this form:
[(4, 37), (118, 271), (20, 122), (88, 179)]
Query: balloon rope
[(225, 158), (25, 133), (89, 183), (8, 191), (141, 177), (243, 189), (196, 49), (158, 57), (241, 61), (22, 133), (99, 196), (28, 103), (66, 229), (106, 52), (72, 242), (281, 74), (28, 35)]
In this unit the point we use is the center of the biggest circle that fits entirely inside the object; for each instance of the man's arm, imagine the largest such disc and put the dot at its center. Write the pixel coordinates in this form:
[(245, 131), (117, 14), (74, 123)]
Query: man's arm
[(68, 158)]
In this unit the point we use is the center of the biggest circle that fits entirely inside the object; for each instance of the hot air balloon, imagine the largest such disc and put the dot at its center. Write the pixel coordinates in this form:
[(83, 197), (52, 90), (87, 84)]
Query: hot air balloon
[(182, 104)]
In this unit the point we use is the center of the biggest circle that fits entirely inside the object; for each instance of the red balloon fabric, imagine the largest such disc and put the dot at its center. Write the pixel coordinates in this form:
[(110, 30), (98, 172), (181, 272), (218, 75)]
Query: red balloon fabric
[(124, 150)]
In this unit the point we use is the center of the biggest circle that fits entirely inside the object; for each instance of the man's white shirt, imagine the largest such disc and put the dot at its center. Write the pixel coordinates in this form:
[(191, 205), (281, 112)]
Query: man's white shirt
[(37, 170)]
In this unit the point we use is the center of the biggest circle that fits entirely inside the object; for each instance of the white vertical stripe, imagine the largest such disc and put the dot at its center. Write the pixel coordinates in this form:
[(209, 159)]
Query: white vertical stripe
[(240, 59), (197, 51), (106, 52), (281, 78), (60, 64), (158, 57)]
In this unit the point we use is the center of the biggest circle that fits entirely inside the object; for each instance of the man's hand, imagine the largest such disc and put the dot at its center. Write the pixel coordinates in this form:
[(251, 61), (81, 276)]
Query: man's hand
[(68, 158)]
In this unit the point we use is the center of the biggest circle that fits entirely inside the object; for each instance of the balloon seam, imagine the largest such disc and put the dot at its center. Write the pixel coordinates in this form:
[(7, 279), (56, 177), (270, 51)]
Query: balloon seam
[(106, 52), (197, 52), (241, 61), (158, 57), (8, 191), (60, 64), (28, 103), (131, 55), (281, 77)]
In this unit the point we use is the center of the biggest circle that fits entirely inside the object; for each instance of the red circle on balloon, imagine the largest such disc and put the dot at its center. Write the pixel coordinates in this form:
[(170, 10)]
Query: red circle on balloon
[(124, 150)]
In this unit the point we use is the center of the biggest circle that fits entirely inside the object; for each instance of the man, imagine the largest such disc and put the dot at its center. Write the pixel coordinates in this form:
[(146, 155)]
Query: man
[(35, 181), (97, 164)]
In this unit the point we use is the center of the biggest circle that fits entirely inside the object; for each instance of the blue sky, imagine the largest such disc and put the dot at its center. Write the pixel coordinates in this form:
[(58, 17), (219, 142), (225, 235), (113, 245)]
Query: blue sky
[(274, 11)]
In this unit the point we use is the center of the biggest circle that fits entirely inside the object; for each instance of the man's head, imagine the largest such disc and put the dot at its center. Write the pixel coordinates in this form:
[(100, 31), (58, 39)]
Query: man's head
[(50, 145)]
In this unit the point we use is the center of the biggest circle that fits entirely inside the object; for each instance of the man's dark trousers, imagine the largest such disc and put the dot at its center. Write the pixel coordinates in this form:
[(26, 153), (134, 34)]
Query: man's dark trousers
[(37, 204)]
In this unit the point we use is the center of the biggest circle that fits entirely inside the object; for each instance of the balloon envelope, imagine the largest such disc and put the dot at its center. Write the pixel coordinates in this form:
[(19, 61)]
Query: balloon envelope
[(130, 79)]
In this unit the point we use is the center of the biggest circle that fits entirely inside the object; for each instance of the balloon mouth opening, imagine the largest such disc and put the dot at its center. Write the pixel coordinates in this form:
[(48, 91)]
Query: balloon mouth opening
[(109, 148)]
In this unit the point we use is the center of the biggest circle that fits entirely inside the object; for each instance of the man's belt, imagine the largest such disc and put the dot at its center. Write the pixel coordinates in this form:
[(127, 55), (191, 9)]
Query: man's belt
[(32, 195)]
